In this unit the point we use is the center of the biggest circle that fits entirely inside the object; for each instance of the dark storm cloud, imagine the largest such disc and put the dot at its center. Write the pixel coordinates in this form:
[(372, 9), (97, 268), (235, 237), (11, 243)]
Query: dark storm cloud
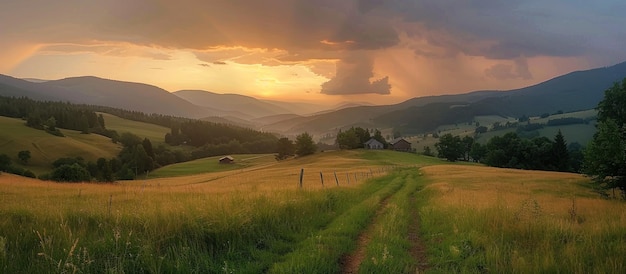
[(352, 77), (501, 71), (506, 31)]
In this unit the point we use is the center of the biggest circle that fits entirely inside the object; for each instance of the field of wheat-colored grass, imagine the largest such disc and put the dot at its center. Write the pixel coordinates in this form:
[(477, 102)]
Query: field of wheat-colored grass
[(256, 218), (499, 220)]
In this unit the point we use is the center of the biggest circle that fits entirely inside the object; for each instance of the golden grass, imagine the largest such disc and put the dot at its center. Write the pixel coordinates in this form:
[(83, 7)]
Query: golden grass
[(271, 180), (555, 192), (524, 221)]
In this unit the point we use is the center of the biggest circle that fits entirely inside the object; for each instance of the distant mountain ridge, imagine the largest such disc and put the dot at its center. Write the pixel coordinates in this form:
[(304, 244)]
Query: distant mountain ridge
[(574, 91), (570, 92)]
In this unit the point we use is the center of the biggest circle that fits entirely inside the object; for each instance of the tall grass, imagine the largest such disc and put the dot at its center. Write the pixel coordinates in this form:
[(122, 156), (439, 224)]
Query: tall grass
[(321, 252), (389, 248), (172, 226), (514, 222)]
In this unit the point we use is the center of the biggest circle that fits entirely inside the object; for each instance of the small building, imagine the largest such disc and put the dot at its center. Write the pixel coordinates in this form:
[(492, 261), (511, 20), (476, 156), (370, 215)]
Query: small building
[(399, 144), (373, 144), (227, 160)]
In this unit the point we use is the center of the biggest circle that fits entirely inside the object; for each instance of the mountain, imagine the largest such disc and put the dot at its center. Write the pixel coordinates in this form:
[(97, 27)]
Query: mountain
[(98, 91), (578, 90), (246, 107), (570, 92)]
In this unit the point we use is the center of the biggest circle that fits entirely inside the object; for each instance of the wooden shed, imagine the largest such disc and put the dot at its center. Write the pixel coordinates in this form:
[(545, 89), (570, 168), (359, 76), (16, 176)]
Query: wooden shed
[(227, 160)]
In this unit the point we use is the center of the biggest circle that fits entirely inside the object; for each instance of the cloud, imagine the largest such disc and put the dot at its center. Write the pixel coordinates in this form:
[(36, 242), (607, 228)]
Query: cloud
[(219, 63), (353, 77), (505, 36), (501, 71)]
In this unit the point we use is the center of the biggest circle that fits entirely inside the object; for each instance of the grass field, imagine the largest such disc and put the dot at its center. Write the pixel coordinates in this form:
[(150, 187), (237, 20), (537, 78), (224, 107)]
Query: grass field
[(211, 164), (46, 148), (386, 211), (155, 133)]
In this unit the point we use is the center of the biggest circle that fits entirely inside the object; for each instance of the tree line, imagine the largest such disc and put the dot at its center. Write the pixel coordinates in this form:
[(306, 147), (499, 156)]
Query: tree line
[(512, 151)]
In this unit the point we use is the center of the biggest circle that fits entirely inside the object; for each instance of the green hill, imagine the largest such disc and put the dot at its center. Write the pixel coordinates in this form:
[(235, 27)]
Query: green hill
[(46, 148), (155, 133)]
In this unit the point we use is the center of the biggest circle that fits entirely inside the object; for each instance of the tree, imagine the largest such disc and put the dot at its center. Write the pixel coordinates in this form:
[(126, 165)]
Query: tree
[(70, 173), (478, 152), (284, 148), (467, 143), (305, 145), (24, 156), (559, 153), (51, 123), (450, 147), (129, 140), (605, 157), (5, 162), (348, 140), (147, 146)]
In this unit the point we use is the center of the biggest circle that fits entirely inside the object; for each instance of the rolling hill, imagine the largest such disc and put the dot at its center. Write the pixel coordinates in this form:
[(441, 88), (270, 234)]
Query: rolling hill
[(240, 106), (46, 148), (97, 91)]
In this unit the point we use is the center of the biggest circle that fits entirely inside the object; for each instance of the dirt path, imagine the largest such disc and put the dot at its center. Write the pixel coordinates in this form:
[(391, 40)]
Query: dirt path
[(418, 248), (351, 262)]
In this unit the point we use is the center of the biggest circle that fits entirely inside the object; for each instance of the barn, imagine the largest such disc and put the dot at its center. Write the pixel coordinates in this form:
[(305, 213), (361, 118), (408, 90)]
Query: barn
[(399, 144)]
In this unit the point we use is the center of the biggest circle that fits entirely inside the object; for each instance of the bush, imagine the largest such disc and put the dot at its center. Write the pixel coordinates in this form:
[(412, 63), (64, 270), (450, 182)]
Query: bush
[(70, 173)]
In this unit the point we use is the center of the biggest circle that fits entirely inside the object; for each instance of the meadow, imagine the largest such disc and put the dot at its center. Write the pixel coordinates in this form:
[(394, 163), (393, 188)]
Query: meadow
[(377, 211), (46, 148), (155, 133)]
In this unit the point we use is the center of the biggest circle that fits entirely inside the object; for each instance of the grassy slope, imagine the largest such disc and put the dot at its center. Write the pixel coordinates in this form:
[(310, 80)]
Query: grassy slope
[(155, 133), (46, 148), (500, 220), (211, 164)]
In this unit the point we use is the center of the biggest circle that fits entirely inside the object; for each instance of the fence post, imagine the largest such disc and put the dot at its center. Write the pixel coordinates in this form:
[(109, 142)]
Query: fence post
[(348, 177), (301, 174), (322, 178), (336, 180)]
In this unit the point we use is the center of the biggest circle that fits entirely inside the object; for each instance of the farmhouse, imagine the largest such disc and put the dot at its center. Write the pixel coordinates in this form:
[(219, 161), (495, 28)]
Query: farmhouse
[(399, 144), (373, 144), (227, 160)]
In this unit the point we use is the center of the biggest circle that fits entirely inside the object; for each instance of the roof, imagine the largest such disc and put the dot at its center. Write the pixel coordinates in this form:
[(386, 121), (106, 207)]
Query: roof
[(395, 141), (227, 157), (374, 141)]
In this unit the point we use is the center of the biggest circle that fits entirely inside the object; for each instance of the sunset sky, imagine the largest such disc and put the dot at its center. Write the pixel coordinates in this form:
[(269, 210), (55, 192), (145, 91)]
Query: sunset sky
[(324, 51)]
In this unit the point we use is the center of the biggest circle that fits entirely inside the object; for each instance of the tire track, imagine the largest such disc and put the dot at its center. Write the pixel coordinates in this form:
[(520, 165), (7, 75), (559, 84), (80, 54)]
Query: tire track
[(350, 263), (418, 248)]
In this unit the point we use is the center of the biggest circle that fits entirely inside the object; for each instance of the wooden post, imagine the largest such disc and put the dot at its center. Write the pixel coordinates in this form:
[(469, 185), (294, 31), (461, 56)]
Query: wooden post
[(301, 175), (348, 177), (322, 178), (336, 180)]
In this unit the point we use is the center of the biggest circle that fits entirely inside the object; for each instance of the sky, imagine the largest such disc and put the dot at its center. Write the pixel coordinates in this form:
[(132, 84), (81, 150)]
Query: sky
[(324, 51)]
